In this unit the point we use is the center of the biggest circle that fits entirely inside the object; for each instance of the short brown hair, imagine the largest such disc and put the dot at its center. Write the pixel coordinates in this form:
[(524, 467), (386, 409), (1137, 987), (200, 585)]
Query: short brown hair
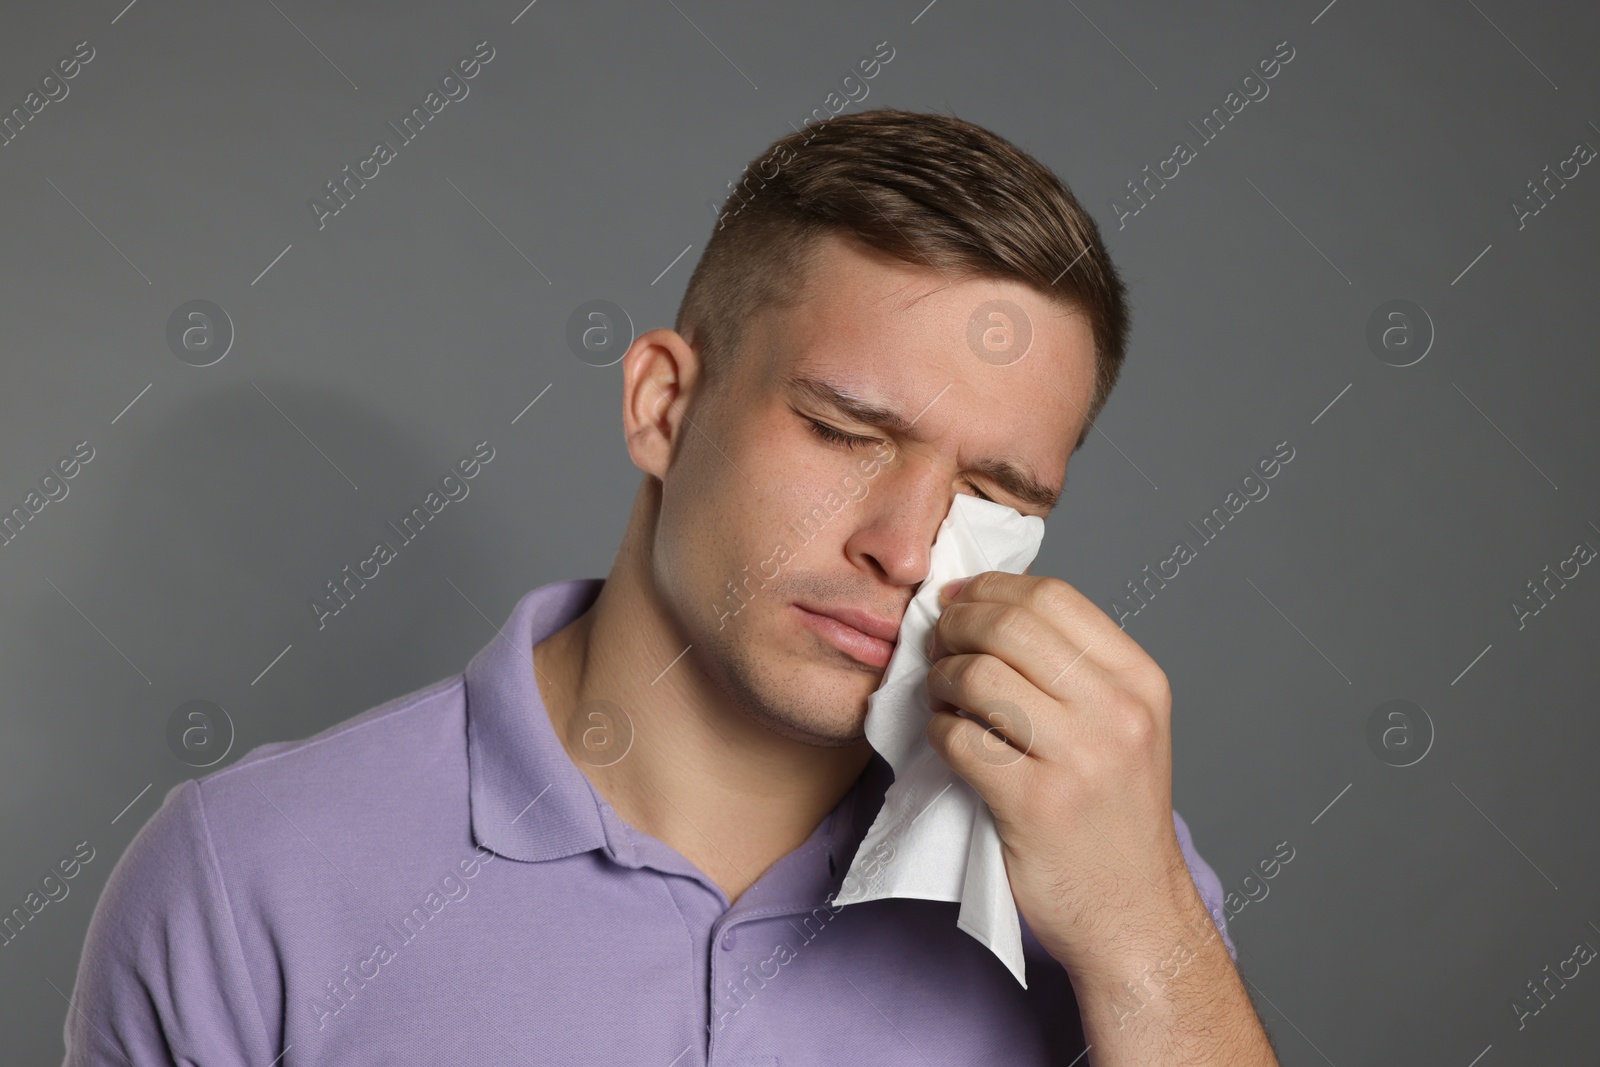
[(928, 189)]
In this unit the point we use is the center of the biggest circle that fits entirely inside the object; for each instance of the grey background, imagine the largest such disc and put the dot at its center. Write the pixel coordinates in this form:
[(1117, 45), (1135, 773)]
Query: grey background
[(430, 312)]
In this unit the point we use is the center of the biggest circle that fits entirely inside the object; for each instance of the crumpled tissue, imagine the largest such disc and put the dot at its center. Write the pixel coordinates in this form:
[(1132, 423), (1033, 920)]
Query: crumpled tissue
[(937, 833)]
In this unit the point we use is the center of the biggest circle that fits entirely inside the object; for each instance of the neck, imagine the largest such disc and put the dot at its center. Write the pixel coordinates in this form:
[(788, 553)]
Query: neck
[(699, 774)]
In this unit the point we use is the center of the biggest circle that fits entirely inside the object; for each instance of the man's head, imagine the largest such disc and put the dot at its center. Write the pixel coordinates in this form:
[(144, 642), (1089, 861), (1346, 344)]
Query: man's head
[(897, 308)]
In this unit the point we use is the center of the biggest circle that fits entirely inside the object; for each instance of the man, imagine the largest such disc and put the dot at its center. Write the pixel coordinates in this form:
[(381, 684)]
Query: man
[(617, 837)]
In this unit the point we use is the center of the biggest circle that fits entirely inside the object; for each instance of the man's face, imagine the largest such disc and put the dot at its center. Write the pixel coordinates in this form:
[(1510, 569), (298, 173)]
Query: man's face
[(769, 529)]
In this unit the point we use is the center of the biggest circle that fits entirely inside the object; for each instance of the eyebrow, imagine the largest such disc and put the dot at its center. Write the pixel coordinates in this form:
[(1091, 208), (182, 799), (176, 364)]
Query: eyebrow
[(1013, 478)]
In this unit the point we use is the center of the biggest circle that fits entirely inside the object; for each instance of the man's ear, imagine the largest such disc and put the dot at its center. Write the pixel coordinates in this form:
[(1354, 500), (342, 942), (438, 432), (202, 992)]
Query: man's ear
[(660, 373)]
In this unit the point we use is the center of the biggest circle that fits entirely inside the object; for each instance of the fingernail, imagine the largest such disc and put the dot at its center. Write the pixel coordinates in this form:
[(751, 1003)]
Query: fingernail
[(951, 590)]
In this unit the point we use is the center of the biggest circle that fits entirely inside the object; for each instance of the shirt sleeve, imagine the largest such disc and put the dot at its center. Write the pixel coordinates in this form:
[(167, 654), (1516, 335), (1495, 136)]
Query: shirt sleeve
[(1206, 881), (162, 979)]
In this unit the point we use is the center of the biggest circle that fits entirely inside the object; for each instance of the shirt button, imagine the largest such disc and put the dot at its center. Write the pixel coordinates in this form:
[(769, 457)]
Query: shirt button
[(727, 939)]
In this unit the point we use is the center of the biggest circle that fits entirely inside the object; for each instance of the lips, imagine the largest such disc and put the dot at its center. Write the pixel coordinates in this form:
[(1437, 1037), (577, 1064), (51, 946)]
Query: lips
[(863, 635)]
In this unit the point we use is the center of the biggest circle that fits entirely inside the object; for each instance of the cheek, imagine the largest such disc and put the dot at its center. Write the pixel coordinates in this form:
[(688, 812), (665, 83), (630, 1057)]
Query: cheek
[(716, 519), (745, 509), (694, 534)]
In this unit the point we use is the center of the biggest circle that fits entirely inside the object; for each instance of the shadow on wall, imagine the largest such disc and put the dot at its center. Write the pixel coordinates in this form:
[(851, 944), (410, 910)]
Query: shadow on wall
[(212, 531)]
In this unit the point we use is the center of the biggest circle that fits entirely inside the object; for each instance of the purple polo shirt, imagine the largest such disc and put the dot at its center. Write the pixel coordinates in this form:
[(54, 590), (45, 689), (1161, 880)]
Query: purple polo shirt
[(435, 881)]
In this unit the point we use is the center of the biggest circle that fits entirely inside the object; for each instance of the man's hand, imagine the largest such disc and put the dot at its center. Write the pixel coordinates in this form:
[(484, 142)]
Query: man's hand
[(1076, 765)]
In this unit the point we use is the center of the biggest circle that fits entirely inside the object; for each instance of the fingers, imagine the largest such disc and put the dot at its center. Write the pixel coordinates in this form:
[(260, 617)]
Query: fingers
[(1038, 650), (1048, 629), (1001, 730)]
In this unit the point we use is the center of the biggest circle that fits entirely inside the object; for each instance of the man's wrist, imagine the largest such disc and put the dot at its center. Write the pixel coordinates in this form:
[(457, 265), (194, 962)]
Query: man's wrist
[(1185, 999), (1184, 952), (1159, 985)]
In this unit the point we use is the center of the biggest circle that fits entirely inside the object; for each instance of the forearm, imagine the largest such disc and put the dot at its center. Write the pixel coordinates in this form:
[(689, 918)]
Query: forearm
[(1182, 1001)]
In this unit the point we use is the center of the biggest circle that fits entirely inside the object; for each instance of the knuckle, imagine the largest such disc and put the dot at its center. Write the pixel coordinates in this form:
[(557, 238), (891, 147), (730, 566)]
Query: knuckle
[(957, 615), (1133, 726), (979, 584), (1012, 622), (981, 674), (1051, 597)]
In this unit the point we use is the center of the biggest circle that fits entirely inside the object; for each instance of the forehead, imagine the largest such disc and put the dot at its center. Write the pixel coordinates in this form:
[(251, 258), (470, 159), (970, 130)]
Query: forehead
[(991, 359)]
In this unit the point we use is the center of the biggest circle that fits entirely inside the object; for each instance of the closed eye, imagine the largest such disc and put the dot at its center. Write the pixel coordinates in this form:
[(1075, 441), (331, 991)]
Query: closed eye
[(838, 437), (853, 442)]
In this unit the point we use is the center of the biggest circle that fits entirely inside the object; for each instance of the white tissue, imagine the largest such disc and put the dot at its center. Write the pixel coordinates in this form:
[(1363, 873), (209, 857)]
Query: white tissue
[(935, 838)]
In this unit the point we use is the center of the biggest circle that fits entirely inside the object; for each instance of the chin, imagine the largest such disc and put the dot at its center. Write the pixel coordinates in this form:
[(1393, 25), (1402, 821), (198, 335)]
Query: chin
[(819, 706), (832, 708), (802, 690), (834, 733)]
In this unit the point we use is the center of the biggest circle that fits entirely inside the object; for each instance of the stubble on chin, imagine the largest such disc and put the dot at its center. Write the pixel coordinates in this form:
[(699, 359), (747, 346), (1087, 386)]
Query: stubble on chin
[(786, 699)]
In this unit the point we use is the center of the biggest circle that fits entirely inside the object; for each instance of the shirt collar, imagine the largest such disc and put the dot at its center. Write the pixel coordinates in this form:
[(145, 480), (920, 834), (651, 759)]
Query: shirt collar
[(530, 802)]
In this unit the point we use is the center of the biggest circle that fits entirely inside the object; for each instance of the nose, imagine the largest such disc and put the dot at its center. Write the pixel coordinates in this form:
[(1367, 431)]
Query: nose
[(899, 520)]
